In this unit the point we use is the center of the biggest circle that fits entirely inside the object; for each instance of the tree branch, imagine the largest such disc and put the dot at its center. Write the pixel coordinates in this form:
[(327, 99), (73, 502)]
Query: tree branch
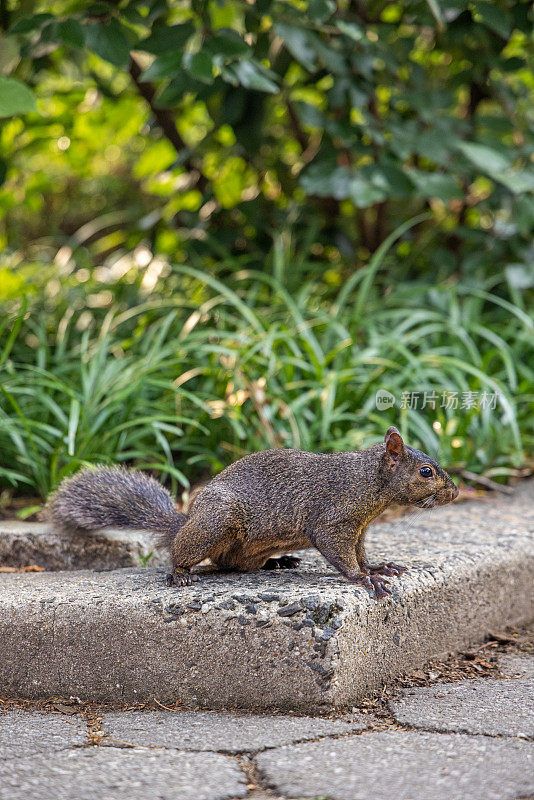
[(165, 120), (298, 130)]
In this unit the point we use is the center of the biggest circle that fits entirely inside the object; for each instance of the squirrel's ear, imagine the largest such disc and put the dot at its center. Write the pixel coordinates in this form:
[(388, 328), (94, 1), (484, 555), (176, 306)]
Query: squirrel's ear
[(394, 445)]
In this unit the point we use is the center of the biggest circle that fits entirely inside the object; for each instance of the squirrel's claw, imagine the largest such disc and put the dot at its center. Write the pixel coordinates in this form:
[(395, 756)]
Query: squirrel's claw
[(380, 586), (375, 584), (389, 569)]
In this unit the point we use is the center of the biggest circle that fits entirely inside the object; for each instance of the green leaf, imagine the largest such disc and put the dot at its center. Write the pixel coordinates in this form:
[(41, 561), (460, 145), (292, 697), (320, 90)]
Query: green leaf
[(434, 145), (131, 14), (435, 184), (326, 180), (226, 43), (363, 194), (199, 66), (174, 92), (9, 53), (498, 167), (517, 181), (350, 29), (15, 98), (387, 178), (484, 158), (27, 24), (69, 31), (330, 58), (252, 76), (494, 17), (168, 37), (299, 43), (164, 66), (319, 10), (513, 64), (358, 99), (310, 115), (229, 76), (108, 41)]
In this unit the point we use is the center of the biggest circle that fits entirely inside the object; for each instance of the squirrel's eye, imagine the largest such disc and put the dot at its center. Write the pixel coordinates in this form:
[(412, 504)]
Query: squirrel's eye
[(425, 472)]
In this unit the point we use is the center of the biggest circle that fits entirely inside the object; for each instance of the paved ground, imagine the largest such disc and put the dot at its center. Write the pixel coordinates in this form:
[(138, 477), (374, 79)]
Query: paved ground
[(470, 740), (299, 639)]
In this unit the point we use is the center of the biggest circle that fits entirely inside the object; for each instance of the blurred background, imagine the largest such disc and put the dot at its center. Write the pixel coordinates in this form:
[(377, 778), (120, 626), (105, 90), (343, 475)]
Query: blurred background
[(230, 226)]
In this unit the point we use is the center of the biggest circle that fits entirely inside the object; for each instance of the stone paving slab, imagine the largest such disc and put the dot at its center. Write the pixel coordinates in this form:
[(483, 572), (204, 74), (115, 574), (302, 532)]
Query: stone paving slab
[(25, 543), (491, 707), (514, 665), (114, 774), (24, 734), (225, 733), (302, 639), (404, 765), (333, 762)]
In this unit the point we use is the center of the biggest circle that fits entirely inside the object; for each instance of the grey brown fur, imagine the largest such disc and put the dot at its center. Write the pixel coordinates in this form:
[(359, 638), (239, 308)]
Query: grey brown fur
[(264, 505), (114, 497)]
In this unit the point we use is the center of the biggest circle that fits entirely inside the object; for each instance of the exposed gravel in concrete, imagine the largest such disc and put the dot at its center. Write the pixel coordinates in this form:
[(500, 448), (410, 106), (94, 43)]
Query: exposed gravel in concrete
[(24, 543), (25, 734), (226, 733), (517, 666), (301, 639), (492, 707), (114, 774), (404, 766)]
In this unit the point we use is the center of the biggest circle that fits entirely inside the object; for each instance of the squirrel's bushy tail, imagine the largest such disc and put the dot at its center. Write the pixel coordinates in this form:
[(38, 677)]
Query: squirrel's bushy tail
[(114, 497)]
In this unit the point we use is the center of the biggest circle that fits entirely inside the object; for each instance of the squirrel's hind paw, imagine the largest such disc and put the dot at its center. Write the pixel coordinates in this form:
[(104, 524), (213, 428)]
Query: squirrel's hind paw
[(181, 579), (283, 562)]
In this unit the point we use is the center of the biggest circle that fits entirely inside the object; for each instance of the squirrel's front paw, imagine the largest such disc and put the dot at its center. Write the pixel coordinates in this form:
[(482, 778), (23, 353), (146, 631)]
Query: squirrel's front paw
[(375, 584), (181, 579), (389, 569)]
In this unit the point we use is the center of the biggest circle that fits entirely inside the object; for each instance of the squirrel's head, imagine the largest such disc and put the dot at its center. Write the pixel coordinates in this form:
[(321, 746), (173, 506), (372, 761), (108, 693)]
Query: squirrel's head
[(413, 477)]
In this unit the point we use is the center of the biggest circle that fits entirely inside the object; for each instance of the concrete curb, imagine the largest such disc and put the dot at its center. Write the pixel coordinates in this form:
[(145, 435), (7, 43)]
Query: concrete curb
[(301, 639), (24, 543)]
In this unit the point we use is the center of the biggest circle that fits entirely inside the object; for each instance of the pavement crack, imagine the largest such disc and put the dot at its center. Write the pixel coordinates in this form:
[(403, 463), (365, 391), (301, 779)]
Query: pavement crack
[(258, 787), (465, 731), (94, 732)]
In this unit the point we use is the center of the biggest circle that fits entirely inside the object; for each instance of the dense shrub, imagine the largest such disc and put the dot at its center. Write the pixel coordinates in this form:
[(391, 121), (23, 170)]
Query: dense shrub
[(227, 226), (188, 121)]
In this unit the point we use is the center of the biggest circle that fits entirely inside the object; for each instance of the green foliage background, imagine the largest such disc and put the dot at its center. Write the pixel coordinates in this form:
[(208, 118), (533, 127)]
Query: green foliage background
[(226, 225)]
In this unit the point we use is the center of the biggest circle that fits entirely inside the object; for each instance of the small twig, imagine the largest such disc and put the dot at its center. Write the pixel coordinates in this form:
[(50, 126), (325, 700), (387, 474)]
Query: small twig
[(482, 481), (165, 707)]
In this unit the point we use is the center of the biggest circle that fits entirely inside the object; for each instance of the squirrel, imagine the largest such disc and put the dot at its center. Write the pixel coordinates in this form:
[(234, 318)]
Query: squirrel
[(264, 506)]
